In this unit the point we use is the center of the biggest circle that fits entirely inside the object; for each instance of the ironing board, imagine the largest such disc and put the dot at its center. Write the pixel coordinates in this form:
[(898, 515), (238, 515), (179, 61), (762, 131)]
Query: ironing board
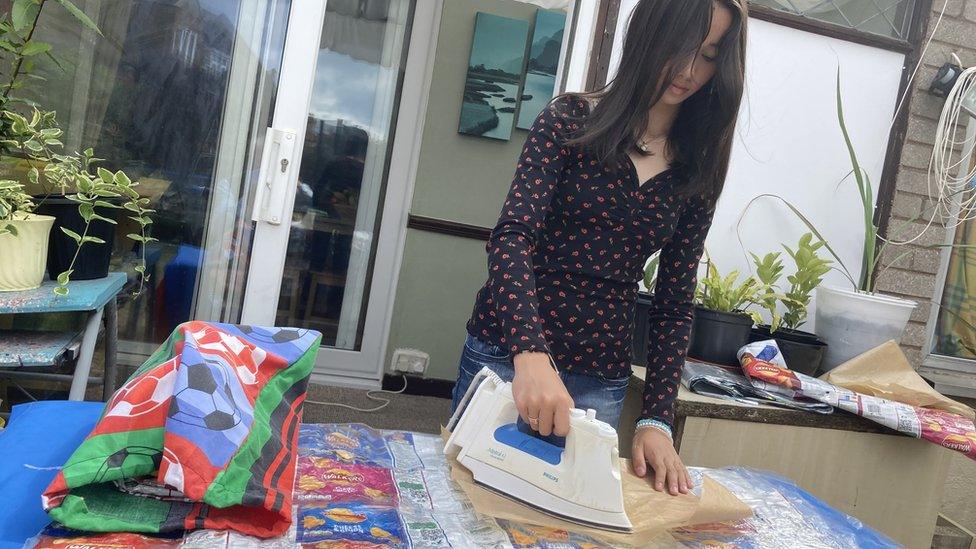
[(412, 501), (24, 353)]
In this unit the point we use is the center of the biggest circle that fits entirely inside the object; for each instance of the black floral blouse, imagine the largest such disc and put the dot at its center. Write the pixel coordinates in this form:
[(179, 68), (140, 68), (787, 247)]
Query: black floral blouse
[(569, 249)]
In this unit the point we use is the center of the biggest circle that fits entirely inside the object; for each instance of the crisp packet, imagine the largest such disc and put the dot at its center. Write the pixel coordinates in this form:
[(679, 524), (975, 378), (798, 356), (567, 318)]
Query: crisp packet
[(524, 536), (350, 522), (348, 443), (412, 488), (763, 363), (57, 537), (322, 478), (401, 447)]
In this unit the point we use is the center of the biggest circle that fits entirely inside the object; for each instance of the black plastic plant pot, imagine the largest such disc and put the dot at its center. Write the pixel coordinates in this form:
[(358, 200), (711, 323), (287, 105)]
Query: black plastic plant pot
[(93, 259), (641, 328), (717, 336), (802, 351)]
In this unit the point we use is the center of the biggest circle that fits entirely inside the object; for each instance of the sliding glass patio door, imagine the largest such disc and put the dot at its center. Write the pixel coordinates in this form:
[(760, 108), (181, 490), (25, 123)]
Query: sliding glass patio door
[(328, 200)]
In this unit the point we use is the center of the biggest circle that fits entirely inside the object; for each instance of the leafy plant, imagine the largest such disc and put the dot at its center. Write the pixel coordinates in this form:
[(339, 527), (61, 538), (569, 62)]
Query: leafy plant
[(769, 269), (650, 272), (37, 140), (810, 269), (13, 201), (809, 273), (873, 246), (726, 294)]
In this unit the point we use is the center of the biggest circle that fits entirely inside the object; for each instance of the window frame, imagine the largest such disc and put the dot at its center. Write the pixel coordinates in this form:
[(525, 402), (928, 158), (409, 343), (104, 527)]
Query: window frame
[(951, 375)]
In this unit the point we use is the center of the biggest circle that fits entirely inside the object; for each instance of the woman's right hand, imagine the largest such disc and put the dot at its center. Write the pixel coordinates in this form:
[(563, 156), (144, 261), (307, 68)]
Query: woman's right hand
[(540, 396)]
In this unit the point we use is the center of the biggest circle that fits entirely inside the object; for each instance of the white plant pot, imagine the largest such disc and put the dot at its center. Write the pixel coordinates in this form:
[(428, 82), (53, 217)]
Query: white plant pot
[(853, 322), (23, 257)]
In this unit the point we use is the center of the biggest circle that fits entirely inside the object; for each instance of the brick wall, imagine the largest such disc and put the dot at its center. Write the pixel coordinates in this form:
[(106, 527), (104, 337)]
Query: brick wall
[(910, 271)]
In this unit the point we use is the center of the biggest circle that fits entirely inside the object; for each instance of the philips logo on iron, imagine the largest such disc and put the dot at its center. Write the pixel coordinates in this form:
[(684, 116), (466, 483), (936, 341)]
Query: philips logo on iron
[(550, 476), (497, 454)]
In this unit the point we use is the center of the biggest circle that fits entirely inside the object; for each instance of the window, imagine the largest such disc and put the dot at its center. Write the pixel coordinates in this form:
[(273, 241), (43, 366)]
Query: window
[(890, 18), (952, 328)]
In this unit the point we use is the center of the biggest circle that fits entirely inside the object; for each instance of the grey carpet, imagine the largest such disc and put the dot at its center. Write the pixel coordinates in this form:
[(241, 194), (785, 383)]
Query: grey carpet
[(404, 412)]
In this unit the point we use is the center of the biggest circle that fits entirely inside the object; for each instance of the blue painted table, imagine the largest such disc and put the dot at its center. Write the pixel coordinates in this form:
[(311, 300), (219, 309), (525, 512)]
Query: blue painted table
[(95, 297)]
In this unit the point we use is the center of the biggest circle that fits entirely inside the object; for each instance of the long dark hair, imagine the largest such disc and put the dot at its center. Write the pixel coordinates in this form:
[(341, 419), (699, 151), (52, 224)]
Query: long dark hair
[(660, 34)]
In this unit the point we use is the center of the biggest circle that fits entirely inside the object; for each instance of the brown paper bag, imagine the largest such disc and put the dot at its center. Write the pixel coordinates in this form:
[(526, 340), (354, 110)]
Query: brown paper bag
[(651, 512), (884, 372)]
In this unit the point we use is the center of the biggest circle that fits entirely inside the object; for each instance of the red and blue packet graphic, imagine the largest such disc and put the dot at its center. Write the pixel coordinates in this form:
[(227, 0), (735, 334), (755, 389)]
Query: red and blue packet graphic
[(351, 522), (325, 479)]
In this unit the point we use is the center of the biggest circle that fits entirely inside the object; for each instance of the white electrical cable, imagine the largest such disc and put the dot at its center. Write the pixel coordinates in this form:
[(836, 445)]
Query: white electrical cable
[(950, 180), (370, 395)]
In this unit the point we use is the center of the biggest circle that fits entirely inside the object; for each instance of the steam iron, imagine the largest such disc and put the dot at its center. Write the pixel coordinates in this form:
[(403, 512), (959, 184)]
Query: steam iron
[(576, 478)]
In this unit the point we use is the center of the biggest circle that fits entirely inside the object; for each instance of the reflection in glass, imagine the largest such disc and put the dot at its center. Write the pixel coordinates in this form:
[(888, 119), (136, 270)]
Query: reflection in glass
[(169, 95), (343, 171)]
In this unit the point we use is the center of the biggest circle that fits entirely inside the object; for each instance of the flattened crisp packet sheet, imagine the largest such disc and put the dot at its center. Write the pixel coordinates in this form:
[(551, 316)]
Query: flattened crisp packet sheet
[(359, 488)]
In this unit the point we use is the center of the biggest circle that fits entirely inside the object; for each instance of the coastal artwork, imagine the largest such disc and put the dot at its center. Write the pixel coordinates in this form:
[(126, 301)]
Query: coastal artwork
[(494, 80), (540, 71)]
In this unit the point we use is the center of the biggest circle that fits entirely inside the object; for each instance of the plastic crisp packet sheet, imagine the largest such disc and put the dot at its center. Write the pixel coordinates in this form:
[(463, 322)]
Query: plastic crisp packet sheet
[(348, 443), (352, 522), (324, 478), (525, 536), (784, 516)]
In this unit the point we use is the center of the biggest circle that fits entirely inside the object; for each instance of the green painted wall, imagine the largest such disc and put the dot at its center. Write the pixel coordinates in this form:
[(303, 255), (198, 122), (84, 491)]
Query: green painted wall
[(438, 281), (460, 178)]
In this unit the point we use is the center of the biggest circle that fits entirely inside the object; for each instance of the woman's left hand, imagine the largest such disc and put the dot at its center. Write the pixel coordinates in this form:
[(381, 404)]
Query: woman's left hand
[(653, 447)]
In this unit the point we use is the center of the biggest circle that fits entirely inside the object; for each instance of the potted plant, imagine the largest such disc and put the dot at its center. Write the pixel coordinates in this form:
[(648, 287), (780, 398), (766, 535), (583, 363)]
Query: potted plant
[(23, 239), (803, 351), (71, 175), (642, 312), (94, 196), (856, 319), (722, 323)]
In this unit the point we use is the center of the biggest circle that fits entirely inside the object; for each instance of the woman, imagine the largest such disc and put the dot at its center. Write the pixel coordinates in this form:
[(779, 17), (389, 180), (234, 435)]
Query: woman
[(604, 181)]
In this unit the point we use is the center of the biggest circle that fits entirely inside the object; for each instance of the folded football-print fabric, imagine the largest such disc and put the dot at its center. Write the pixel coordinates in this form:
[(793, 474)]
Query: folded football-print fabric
[(203, 435)]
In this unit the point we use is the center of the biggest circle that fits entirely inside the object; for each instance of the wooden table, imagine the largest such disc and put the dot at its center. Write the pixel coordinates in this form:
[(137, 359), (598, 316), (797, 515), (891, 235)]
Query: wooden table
[(22, 353), (891, 482)]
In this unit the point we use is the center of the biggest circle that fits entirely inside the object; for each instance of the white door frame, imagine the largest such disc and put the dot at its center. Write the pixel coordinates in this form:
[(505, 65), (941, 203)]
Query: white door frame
[(275, 197)]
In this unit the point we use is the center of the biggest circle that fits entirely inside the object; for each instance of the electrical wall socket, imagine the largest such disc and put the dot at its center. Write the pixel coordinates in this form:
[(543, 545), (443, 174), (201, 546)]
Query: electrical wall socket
[(410, 361)]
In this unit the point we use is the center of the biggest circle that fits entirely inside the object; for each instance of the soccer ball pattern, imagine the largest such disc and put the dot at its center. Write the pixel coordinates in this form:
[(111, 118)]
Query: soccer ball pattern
[(206, 400), (144, 394), (209, 407)]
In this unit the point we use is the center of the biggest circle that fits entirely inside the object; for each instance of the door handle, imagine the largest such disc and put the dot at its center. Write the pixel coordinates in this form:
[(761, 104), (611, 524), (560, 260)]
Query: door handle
[(273, 188)]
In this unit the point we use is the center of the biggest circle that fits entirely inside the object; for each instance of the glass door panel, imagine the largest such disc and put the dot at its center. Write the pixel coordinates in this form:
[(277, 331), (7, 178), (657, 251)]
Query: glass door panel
[(343, 169), (170, 95)]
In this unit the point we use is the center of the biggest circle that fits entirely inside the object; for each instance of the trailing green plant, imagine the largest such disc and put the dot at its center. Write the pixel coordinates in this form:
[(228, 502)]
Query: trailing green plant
[(13, 201), (727, 294), (37, 139), (76, 176)]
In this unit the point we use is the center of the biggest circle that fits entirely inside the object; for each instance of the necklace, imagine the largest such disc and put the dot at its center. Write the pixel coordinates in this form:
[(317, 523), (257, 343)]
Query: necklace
[(644, 145)]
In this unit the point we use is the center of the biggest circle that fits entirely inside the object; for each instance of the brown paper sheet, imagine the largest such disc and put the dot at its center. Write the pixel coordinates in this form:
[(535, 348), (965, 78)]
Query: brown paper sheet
[(652, 513), (884, 372)]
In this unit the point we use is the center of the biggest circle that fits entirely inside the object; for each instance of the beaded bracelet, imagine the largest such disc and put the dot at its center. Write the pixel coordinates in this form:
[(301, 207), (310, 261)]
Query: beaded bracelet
[(656, 424)]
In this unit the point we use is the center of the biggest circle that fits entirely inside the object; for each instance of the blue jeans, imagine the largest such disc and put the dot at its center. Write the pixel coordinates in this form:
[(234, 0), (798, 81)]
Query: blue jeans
[(605, 395)]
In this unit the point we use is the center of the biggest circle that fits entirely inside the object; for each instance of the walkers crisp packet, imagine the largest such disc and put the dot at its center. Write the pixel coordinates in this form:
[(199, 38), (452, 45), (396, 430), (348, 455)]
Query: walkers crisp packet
[(351, 522), (322, 478)]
